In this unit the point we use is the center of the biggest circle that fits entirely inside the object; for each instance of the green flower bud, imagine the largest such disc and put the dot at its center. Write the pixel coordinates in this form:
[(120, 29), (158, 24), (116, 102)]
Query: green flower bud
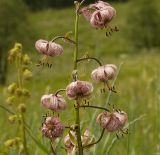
[(26, 59), (9, 143), (19, 92), (18, 46), (26, 92), (12, 142), (11, 100), (22, 108), (13, 52), (27, 74), (12, 118), (11, 88)]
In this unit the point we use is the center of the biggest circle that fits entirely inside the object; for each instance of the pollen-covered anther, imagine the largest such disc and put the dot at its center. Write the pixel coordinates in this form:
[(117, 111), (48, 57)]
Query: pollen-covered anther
[(52, 128), (48, 48), (54, 102), (79, 89)]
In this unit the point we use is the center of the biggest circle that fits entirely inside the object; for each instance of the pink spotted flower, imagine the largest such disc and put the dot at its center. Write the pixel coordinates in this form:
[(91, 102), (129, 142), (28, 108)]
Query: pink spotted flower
[(104, 73), (99, 14), (48, 48), (112, 121), (54, 102), (52, 128), (79, 89)]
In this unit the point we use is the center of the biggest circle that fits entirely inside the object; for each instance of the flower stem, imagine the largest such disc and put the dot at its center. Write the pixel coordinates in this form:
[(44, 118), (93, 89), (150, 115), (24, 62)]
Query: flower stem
[(78, 132), (96, 107), (58, 91), (20, 84), (77, 121), (24, 134), (65, 38), (90, 58)]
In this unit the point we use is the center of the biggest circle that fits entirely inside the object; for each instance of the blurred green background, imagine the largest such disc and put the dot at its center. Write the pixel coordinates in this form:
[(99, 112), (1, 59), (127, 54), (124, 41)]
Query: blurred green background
[(136, 45)]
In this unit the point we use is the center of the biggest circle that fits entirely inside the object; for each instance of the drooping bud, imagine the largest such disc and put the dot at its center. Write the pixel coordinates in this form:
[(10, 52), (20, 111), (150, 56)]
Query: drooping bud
[(22, 108), (112, 121), (26, 59), (104, 73), (48, 48), (11, 88), (27, 74), (12, 142), (26, 92), (11, 100), (54, 102), (12, 118), (19, 92), (79, 89), (52, 128)]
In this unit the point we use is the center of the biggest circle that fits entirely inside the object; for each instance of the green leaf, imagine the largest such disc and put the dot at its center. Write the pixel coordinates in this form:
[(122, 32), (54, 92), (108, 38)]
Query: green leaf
[(72, 138)]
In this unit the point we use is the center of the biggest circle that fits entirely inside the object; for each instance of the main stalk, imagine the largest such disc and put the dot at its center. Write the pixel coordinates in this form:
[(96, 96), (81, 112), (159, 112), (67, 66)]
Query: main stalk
[(77, 121)]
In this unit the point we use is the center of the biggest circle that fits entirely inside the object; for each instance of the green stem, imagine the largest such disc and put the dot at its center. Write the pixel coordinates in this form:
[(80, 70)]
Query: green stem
[(78, 132), (76, 39), (77, 121), (90, 58), (24, 134), (90, 106), (20, 84), (65, 38)]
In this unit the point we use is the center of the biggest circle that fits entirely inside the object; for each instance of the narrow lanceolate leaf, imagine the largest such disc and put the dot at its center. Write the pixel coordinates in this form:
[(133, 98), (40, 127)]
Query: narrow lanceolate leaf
[(37, 141), (72, 138)]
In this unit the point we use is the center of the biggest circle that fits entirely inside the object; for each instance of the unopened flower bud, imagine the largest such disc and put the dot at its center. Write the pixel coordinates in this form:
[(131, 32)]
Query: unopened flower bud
[(48, 48), (11, 100), (12, 118), (19, 92), (26, 59), (112, 121), (54, 102), (27, 74), (104, 73), (22, 108), (9, 143), (52, 128), (26, 92), (79, 89), (18, 46), (11, 88)]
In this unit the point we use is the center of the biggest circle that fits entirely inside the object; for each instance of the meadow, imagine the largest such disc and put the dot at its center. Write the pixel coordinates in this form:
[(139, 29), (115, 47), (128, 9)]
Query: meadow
[(137, 85)]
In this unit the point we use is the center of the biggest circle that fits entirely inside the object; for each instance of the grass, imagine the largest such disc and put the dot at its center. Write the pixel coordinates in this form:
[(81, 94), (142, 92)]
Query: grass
[(138, 84)]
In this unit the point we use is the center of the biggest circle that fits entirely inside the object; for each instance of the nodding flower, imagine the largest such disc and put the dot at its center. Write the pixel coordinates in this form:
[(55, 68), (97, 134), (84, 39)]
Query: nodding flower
[(99, 14), (54, 102), (79, 89), (112, 121), (48, 48), (104, 73), (52, 128)]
